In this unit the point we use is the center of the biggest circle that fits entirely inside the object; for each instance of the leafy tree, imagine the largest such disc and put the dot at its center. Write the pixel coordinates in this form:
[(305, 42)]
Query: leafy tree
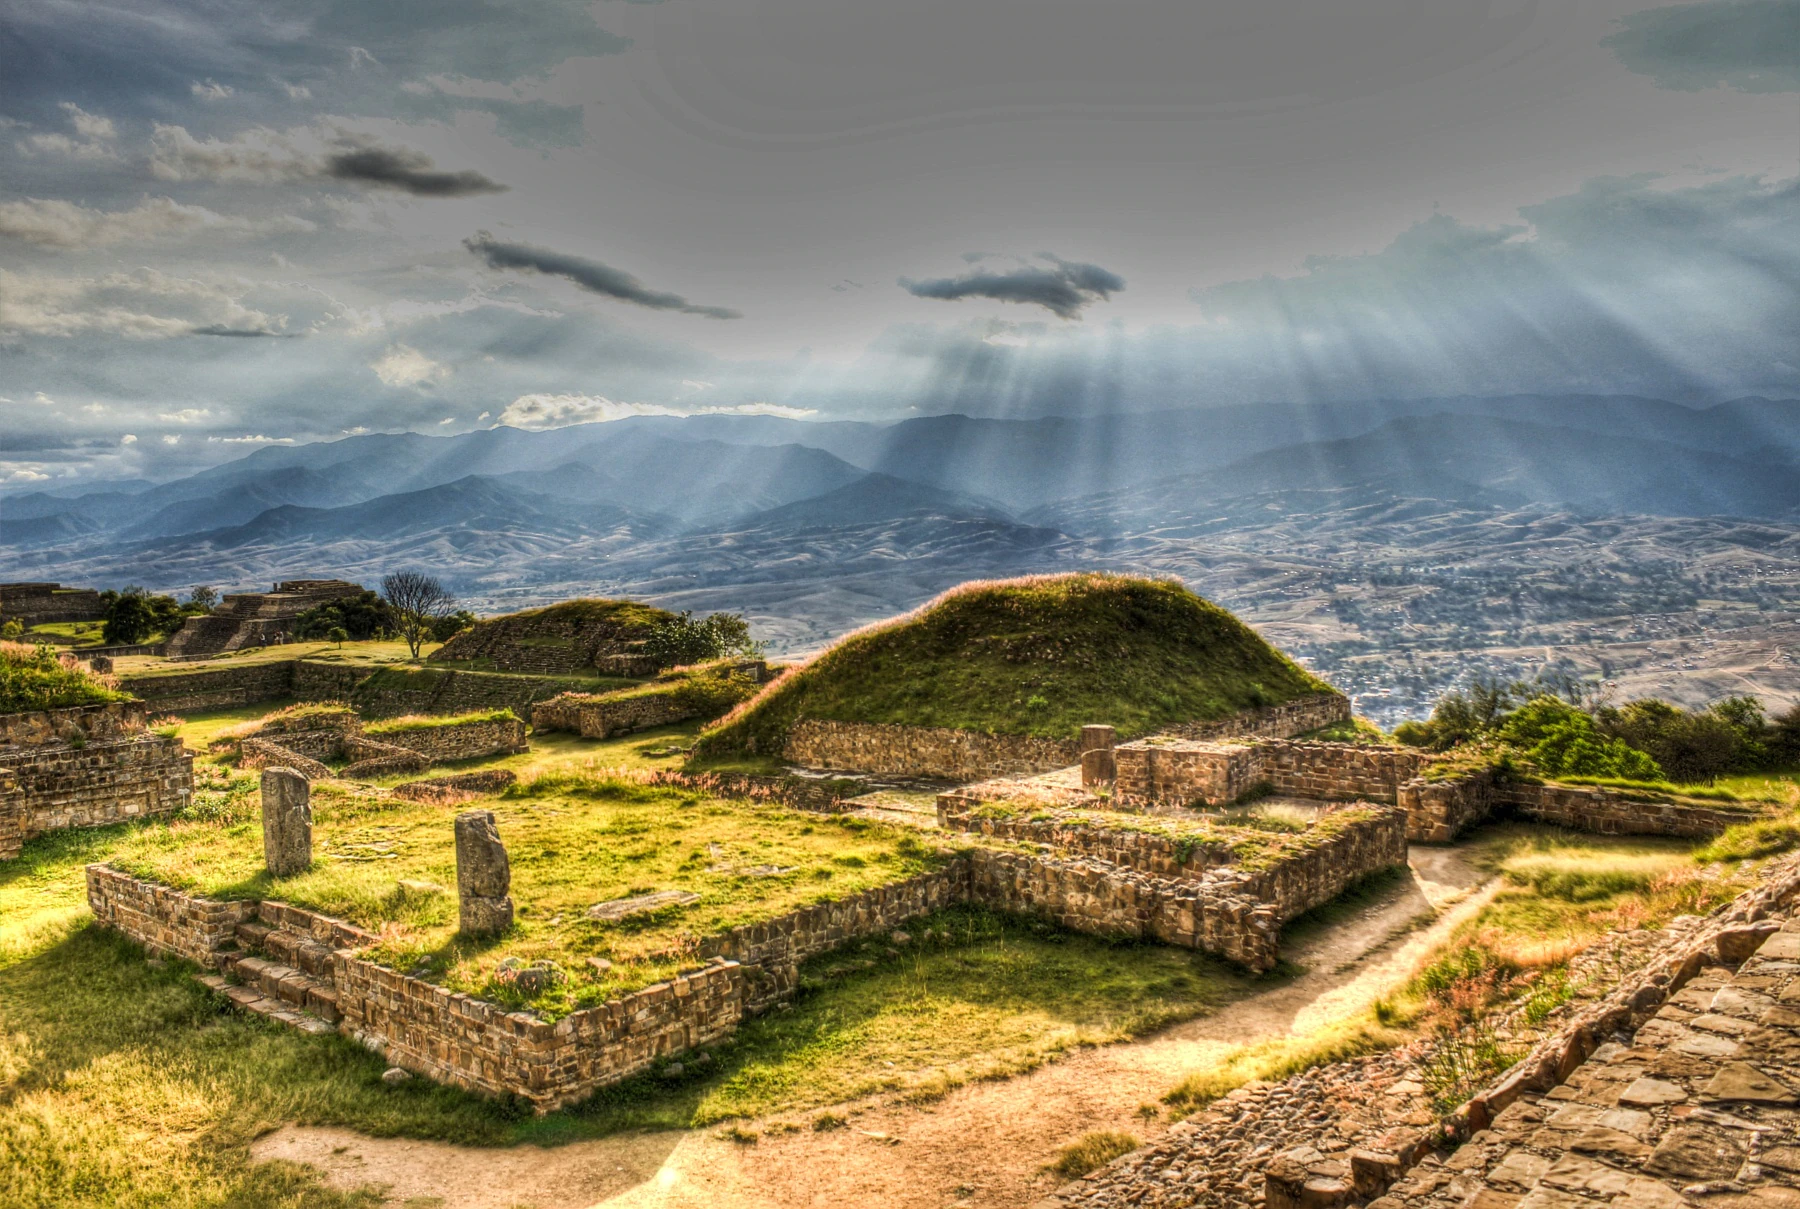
[(446, 628), (681, 639), (1563, 740), (1784, 738), (417, 602), (201, 599), (13, 630), (338, 634), (1690, 746), (361, 617), (1463, 715), (133, 615)]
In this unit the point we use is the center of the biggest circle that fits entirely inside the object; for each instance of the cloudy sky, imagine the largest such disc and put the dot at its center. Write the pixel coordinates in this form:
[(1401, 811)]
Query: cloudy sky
[(228, 223)]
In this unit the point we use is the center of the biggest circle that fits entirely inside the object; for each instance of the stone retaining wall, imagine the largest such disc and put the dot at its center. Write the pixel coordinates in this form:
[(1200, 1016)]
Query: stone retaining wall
[(1087, 895), (923, 751), (771, 951), (214, 688), (1161, 772), (393, 691), (460, 741), (600, 717), (1298, 874), (110, 720), (59, 785), (163, 919), (1609, 812), (1290, 718), (264, 753)]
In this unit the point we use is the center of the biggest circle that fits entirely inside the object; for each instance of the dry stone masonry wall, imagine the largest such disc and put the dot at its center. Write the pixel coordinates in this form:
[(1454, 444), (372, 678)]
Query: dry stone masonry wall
[(42, 603), (85, 767)]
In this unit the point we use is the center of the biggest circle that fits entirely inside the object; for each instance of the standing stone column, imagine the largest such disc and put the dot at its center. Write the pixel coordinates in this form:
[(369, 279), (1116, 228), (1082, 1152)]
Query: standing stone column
[(287, 821), (483, 875), (1097, 764)]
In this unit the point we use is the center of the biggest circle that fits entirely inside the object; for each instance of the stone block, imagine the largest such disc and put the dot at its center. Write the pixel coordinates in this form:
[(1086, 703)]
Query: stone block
[(483, 875), (287, 821)]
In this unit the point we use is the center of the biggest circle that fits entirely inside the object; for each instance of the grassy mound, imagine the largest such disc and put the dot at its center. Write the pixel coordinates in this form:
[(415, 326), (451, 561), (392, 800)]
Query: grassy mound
[(587, 625), (1040, 656), (33, 677)]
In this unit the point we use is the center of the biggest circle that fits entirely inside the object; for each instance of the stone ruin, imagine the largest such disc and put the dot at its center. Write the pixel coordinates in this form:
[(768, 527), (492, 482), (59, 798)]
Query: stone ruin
[(253, 619), (40, 603), (85, 767), (286, 822), (562, 639)]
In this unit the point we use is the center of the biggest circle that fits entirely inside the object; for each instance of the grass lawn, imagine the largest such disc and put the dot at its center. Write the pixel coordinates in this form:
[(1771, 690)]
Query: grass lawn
[(68, 633), (329, 652)]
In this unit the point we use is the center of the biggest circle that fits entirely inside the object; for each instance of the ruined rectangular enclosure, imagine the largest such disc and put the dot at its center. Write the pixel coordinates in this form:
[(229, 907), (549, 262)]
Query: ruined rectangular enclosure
[(1221, 891)]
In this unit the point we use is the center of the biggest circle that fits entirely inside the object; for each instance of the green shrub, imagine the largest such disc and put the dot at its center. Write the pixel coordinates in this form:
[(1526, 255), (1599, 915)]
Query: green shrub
[(1563, 741), (680, 639), (35, 677)]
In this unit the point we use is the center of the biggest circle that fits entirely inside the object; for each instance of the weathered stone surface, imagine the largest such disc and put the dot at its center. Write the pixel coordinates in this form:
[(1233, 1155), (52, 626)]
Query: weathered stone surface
[(287, 821), (483, 875), (1652, 1093), (1741, 1081), (619, 908)]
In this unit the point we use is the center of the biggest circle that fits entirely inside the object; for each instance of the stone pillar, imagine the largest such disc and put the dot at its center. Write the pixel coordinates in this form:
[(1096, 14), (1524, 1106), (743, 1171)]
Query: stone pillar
[(1097, 764), (287, 821), (101, 664), (483, 875)]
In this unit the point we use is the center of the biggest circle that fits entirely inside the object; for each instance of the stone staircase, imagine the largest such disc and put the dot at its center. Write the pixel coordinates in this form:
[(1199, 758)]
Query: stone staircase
[(280, 974)]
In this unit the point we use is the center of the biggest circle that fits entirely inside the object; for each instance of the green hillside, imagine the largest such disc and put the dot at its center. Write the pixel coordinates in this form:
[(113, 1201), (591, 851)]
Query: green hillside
[(1037, 656)]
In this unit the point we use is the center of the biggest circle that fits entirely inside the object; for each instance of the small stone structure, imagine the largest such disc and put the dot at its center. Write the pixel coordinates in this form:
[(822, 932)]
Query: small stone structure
[(1164, 774), (286, 821), (255, 618), (966, 755), (562, 638), (1097, 764), (402, 750), (42, 603), (85, 767), (483, 875)]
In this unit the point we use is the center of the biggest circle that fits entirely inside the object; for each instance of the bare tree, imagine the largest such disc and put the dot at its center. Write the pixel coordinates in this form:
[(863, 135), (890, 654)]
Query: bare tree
[(416, 601)]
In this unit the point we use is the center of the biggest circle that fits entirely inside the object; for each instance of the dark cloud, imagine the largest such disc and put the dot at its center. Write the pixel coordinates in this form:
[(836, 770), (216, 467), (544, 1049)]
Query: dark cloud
[(590, 275), (219, 329), (1749, 45), (408, 171), (1060, 286)]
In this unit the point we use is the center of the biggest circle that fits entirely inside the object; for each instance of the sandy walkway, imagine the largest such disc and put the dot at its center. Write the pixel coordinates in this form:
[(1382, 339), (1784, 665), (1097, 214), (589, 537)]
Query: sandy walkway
[(982, 1145)]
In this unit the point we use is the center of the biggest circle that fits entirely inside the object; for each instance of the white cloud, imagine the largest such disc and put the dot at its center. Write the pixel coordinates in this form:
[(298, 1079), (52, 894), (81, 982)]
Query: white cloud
[(212, 90), (41, 397), (186, 415), (171, 438), (260, 156), (94, 139), (129, 438), (141, 305), (560, 411), (22, 474), (249, 440), (297, 92), (403, 365), (52, 223), (447, 420)]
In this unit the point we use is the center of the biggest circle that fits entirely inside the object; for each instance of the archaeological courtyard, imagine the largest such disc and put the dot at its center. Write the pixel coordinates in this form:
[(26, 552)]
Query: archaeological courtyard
[(546, 872)]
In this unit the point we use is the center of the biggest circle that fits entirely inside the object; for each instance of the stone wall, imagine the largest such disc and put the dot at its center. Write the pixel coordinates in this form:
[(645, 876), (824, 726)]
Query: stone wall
[(1087, 895), (1292, 873), (317, 680), (165, 920), (42, 603), (923, 751), (59, 785), (772, 951), (110, 720), (480, 1046), (1610, 812), (559, 639), (266, 753), (600, 716), (1282, 721), (461, 740), (224, 687), (1163, 772), (394, 691)]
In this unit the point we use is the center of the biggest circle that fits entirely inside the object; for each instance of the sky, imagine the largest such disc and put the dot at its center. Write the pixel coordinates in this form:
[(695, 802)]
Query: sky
[(224, 225)]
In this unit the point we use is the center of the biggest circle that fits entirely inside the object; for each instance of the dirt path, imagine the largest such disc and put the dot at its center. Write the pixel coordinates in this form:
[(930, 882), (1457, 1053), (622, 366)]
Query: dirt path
[(982, 1145)]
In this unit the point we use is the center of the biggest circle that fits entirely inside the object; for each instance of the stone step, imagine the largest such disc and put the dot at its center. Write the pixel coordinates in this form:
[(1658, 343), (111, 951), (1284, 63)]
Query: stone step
[(287, 985), (252, 999)]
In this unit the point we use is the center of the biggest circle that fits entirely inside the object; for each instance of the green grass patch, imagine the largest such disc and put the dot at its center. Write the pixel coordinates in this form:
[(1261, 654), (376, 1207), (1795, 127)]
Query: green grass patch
[(407, 722), (32, 677), (1656, 789), (1754, 841), (1040, 656)]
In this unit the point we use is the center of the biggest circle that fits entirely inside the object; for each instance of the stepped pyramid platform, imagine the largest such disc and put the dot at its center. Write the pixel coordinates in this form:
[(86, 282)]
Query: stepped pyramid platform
[(256, 618)]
